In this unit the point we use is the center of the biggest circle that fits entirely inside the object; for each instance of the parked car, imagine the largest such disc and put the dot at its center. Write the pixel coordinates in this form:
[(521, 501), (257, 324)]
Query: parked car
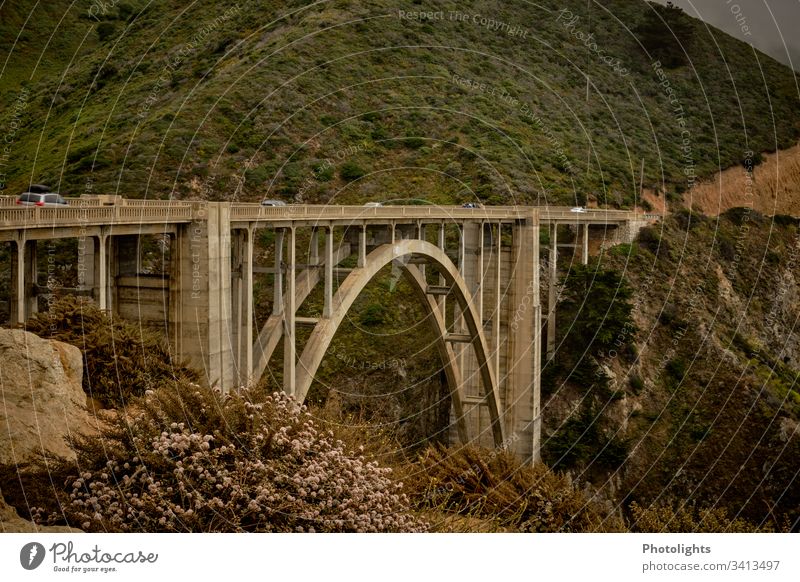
[(373, 204), (577, 209), (273, 203), (472, 205), (49, 199)]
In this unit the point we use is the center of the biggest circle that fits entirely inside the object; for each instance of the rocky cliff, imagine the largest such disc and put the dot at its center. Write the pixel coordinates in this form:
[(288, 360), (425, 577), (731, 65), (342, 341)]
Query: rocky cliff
[(43, 403)]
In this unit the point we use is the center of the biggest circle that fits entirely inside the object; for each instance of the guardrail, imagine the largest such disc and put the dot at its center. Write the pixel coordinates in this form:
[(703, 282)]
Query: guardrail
[(589, 215), (244, 211), (90, 200), (87, 210), (35, 216)]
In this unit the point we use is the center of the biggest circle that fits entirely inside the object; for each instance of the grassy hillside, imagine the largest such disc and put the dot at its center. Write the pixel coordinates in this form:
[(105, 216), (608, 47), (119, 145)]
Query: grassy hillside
[(483, 100)]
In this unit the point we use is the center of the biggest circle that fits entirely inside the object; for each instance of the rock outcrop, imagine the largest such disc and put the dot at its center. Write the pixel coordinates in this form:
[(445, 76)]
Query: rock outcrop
[(41, 397), (11, 522), (41, 402)]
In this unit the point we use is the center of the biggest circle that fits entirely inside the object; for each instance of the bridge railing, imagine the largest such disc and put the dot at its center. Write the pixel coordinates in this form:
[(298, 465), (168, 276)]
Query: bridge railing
[(244, 211), (593, 215), (35, 216), (88, 210)]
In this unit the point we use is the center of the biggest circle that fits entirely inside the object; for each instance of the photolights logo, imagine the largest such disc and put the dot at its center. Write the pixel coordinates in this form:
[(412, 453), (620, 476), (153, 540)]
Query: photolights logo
[(31, 555)]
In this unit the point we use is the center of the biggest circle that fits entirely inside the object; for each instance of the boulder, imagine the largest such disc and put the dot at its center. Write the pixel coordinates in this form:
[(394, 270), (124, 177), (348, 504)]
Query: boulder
[(41, 397)]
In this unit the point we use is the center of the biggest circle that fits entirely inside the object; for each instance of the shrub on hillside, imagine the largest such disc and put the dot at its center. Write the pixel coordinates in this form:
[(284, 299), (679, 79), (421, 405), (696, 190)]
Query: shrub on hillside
[(667, 518), (351, 171), (687, 219), (494, 484), (121, 359), (597, 307), (106, 30), (649, 239), (189, 459), (581, 441)]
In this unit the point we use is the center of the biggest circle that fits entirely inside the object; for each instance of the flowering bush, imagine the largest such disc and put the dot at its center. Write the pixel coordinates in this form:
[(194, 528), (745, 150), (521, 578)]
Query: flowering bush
[(191, 459)]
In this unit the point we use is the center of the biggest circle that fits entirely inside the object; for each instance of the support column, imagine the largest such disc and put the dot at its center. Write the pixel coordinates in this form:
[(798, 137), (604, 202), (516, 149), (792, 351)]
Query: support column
[(497, 300), (313, 252), (221, 365), (481, 274), (551, 292), (277, 286), (101, 266), (461, 248), (19, 276), (31, 279), (458, 318), (442, 299), (420, 234), (86, 264), (176, 263), (237, 272), (362, 247), (536, 437), (203, 314), (289, 339), (521, 386), (247, 270), (475, 412), (585, 244), (327, 309)]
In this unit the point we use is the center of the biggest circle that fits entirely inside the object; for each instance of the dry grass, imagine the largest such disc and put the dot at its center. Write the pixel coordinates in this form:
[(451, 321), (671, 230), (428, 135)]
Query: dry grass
[(677, 518), (472, 489), (774, 189)]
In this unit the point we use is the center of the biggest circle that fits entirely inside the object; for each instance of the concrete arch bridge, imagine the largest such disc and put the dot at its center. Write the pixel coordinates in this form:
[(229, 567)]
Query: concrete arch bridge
[(476, 272)]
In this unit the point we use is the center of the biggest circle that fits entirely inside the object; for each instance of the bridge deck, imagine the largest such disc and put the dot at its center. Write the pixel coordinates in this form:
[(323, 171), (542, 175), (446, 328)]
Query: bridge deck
[(87, 213)]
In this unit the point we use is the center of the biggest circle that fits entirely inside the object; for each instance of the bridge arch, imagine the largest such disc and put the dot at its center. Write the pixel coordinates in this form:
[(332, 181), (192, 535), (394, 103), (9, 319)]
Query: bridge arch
[(324, 331)]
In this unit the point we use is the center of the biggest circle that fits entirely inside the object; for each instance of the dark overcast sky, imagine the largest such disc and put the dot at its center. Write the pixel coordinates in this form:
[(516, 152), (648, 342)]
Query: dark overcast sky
[(774, 25)]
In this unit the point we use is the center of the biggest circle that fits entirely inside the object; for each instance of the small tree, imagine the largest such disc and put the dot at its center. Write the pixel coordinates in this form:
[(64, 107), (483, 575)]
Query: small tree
[(597, 303), (666, 33)]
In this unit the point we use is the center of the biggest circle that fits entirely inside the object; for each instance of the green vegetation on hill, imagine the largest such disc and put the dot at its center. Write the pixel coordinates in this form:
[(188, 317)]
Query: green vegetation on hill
[(487, 100), (704, 405)]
